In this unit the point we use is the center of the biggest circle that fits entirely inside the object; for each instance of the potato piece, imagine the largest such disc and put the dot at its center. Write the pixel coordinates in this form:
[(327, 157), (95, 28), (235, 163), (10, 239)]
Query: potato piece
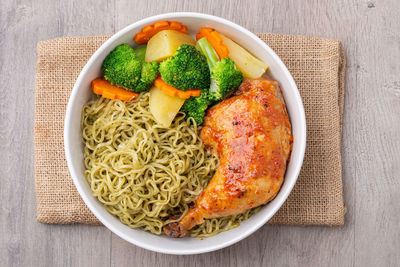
[(164, 107), (249, 65), (165, 43)]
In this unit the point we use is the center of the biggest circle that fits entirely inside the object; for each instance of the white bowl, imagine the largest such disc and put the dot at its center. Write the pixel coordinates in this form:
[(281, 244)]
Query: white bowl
[(82, 93)]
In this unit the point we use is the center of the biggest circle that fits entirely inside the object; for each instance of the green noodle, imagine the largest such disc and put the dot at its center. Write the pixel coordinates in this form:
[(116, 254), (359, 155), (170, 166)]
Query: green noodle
[(145, 174)]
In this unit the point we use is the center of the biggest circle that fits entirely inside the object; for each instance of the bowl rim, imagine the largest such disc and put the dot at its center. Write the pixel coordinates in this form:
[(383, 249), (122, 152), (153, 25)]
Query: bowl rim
[(300, 140)]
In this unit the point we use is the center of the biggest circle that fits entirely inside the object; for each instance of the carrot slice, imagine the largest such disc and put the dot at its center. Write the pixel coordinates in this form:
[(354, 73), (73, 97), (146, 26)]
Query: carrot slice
[(107, 90), (172, 91), (215, 40), (150, 30)]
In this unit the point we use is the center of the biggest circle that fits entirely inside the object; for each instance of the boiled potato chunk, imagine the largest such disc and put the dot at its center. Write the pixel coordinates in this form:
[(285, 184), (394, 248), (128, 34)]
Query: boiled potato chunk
[(164, 44), (249, 65), (164, 107)]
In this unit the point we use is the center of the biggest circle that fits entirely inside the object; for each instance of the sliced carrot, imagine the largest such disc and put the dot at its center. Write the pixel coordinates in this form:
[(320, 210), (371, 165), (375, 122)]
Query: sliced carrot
[(172, 91), (215, 40), (188, 93), (107, 90), (150, 30)]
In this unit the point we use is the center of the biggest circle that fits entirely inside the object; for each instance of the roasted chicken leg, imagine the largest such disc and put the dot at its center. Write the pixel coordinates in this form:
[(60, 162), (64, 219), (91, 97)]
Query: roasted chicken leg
[(251, 134)]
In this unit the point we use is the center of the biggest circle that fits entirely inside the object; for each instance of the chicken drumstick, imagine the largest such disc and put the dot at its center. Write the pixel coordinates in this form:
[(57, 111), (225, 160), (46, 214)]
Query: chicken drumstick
[(251, 134)]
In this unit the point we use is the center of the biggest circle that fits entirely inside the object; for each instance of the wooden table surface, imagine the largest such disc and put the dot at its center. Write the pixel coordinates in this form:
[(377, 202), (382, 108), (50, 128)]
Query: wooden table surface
[(370, 32)]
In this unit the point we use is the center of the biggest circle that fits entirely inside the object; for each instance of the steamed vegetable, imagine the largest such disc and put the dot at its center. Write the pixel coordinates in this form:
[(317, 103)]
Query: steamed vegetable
[(190, 78), (195, 107), (215, 40), (225, 78), (172, 91), (164, 107), (150, 30), (141, 52), (187, 69), (123, 68), (107, 90), (249, 65), (149, 74), (165, 43)]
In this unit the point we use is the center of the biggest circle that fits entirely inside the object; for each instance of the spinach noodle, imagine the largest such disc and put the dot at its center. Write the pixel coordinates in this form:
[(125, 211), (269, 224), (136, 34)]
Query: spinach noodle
[(145, 174)]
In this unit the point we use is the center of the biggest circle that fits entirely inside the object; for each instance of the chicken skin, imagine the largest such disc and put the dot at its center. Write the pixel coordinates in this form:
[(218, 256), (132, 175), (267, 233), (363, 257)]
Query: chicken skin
[(251, 134)]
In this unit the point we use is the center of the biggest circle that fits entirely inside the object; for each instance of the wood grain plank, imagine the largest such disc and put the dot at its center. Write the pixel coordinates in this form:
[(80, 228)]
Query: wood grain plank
[(25, 242), (377, 124)]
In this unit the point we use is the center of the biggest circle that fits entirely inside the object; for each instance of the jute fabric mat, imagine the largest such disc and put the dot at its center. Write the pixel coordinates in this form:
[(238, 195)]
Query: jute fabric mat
[(318, 67)]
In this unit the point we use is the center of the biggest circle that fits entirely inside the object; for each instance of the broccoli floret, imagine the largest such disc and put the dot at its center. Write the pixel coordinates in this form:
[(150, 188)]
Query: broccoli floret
[(187, 69), (225, 78), (195, 107), (123, 68), (149, 74), (141, 52)]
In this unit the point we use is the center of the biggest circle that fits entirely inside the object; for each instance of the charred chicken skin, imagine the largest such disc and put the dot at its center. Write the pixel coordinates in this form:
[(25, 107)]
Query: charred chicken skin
[(251, 134)]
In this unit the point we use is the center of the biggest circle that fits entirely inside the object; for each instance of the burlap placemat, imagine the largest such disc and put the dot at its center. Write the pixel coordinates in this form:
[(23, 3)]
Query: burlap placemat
[(317, 66)]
